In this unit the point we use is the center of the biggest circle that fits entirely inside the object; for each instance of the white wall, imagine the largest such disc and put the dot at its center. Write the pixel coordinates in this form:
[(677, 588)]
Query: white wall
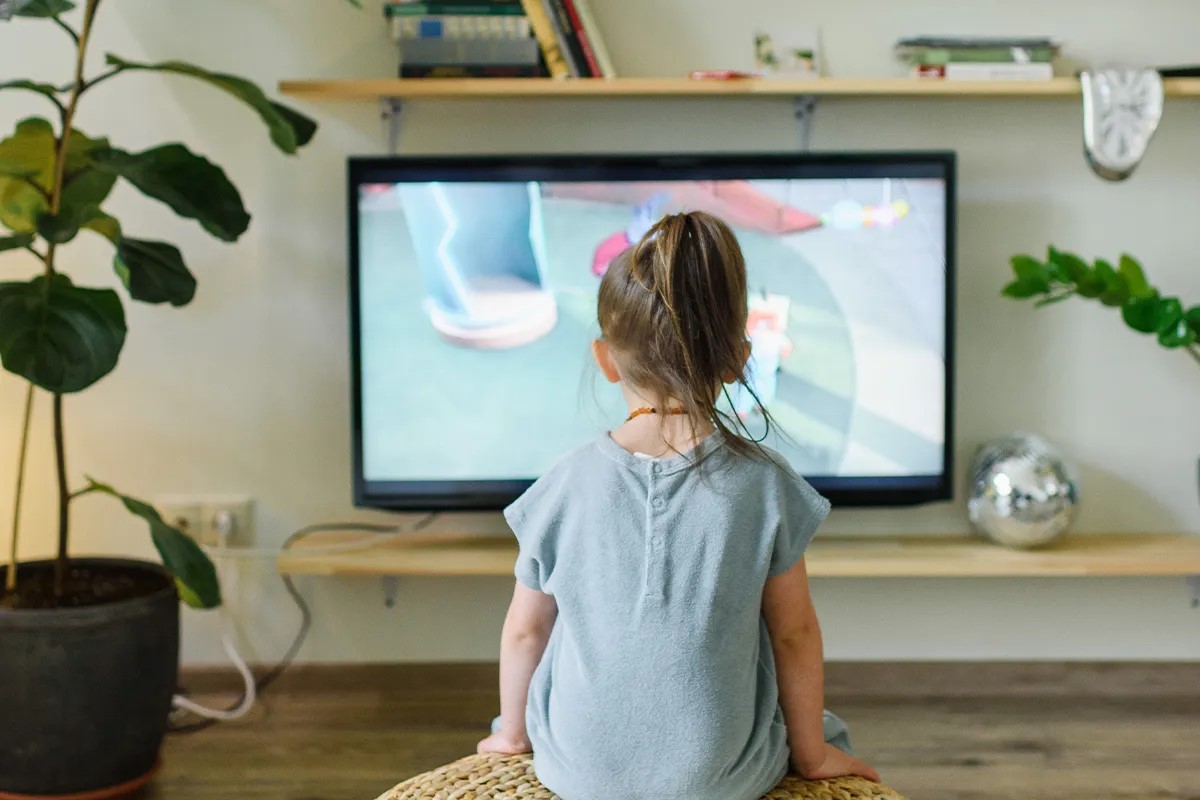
[(246, 391)]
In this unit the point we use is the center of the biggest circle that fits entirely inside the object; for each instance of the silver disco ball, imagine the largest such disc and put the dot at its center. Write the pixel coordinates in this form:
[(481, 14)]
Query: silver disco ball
[(1023, 493)]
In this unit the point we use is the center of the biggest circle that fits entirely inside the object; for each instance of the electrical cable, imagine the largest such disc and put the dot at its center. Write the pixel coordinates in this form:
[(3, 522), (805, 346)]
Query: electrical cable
[(254, 687)]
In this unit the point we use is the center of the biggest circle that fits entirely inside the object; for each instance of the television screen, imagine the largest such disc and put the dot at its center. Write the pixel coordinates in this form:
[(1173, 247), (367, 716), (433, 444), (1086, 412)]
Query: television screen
[(473, 293)]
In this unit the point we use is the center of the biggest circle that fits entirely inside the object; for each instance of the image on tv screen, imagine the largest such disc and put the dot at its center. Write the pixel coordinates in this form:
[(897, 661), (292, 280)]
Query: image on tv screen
[(477, 307)]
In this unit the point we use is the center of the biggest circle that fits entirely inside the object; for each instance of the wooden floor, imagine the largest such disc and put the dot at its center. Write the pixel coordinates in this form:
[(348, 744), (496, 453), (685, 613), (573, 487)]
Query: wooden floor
[(1020, 732)]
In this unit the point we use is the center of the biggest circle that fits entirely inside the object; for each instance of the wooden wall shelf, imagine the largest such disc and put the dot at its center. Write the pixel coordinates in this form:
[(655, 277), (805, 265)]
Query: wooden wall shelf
[(501, 88), (1080, 555)]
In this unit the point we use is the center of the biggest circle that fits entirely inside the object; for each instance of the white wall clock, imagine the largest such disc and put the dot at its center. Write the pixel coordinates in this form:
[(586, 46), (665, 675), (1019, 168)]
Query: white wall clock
[(1121, 111)]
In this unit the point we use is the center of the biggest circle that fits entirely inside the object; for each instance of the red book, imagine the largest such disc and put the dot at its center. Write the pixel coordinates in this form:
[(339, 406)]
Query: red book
[(584, 43)]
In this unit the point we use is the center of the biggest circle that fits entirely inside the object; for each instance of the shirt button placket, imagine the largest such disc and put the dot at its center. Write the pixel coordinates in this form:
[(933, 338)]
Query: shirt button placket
[(654, 585)]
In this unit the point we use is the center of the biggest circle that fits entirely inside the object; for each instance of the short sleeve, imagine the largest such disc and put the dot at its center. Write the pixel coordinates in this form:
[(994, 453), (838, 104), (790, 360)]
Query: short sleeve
[(534, 518), (801, 511)]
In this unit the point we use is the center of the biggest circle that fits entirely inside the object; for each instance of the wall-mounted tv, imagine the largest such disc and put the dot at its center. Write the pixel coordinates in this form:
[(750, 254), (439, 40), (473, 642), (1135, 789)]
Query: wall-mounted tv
[(473, 286)]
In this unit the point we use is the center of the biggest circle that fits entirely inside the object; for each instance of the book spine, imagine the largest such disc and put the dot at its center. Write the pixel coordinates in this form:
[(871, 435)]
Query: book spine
[(563, 20), (999, 72), (560, 37), (990, 55), (544, 32), (581, 35), (595, 38), (471, 71), (460, 26)]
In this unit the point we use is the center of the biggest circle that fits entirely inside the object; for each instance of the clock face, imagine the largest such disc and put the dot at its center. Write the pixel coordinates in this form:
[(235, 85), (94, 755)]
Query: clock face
[(1121, 111)]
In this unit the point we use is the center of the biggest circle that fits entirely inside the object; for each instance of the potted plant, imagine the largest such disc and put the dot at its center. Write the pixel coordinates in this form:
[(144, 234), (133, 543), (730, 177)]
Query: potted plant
[(89, 647)]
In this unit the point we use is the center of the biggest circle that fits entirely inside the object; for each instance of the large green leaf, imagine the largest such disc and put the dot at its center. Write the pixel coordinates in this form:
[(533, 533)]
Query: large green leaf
[(63, 227), (15, 242), (1030, 272), (1192, 315), (32, 151), (289, 129), (59, 336), (1168, 314), (304, 127), (154, 272), (45, 89), (106, 226), (192, 186), (1135, 277), (1070, 265), (195, 575), (1116, 288), (1141, 314), (43, 8), (1178, 335), (20, 205), (29, 152), (1021, 289)]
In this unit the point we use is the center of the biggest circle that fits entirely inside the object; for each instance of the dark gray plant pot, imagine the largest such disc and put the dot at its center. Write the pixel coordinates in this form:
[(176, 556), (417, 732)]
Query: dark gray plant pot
[(85, 693)]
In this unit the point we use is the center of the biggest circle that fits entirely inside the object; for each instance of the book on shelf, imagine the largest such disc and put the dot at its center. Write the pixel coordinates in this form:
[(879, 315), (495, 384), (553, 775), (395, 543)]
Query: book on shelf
[(982, 71), (561, 36), (980, 58), (438, 8), (472, 71), (987, 55), (475, 52), (581, 36), (460, 26), (547, 39), (595, 40)]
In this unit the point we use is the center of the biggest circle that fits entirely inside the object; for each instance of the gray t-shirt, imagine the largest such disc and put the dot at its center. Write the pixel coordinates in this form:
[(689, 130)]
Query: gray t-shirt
[(659, 680)]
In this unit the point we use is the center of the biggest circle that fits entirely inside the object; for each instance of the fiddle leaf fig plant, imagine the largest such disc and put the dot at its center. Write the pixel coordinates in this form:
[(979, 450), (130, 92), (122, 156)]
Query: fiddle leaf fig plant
[(1062, 275), (55, 181)]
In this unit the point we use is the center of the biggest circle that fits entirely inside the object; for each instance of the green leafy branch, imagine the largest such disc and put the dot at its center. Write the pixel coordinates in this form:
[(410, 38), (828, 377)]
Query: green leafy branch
[(1144, 308), (54, 183)]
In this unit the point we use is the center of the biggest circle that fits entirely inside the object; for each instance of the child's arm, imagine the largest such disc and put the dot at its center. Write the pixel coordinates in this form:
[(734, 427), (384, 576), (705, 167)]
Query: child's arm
[(527, 628), (800, 664)]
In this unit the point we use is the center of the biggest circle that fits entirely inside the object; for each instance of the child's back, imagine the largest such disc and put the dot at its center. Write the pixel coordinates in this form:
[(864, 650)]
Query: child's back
[(658, 680)]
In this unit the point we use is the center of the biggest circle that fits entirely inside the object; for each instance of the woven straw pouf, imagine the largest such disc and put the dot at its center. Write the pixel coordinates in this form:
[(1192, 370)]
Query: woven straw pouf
[(492, 776)]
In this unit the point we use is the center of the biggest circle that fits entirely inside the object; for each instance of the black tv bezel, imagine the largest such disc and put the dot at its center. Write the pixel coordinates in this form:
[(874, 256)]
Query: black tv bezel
[(490, 495)]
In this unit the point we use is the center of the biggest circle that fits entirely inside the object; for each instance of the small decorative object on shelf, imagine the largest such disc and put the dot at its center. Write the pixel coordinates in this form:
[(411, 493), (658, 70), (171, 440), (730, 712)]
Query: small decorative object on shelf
[(1023, 493), (979, 59), (787, 54), (1121, 111)]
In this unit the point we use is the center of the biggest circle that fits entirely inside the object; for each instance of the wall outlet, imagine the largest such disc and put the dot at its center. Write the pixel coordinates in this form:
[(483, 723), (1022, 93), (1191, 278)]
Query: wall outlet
[(212, 520)]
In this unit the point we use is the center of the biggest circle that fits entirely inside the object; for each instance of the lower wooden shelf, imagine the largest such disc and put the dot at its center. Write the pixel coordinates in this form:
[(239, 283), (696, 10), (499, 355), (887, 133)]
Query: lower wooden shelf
[(1078, 555)]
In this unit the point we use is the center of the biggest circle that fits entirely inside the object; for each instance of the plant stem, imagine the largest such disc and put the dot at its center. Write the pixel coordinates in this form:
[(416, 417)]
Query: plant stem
[(67, 29), (101, 78), (1194, 352), (56, 193), (10, 578), (64, 500)]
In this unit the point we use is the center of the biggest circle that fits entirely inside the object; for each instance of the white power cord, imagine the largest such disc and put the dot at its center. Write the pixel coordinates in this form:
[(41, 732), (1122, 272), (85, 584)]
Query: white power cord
[(251, 685), (249, 696)]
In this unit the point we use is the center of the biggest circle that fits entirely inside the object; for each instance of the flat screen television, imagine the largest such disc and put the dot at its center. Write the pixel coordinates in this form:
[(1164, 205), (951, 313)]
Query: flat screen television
[(473, 286)]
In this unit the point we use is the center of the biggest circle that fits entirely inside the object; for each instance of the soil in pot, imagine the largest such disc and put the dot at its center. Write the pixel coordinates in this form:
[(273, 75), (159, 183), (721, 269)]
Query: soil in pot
[(85, 585)]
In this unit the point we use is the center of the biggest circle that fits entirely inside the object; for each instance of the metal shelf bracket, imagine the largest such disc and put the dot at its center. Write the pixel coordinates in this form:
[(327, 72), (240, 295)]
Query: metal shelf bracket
[(392, 113), (804, 108)]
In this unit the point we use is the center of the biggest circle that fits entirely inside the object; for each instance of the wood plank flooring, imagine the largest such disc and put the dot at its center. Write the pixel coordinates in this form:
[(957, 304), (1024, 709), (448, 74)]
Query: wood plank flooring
[(935, 731)]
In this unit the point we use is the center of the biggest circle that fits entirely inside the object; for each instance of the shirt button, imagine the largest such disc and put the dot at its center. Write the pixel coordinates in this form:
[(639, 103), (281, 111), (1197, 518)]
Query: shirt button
[(657, 502)]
